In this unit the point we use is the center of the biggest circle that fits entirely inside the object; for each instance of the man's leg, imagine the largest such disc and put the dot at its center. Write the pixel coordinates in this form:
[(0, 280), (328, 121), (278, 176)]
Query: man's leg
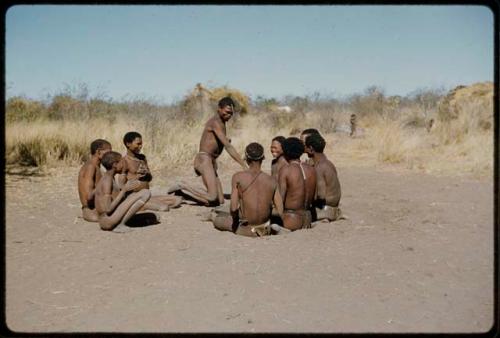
[(121, 213), (90, 215), (222, 222), (220, 193), (209, 180)]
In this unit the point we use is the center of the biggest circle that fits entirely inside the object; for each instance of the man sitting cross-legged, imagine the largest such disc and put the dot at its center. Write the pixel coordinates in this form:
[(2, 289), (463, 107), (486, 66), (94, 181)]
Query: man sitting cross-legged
[(114, 209), (136, 168), (253, 194), (297, 184), (89, 176), (328, 186)]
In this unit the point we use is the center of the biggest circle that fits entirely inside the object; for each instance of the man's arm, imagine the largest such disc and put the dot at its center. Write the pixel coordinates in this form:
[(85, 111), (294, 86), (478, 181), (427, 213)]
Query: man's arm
[(221, 135), (277, 200), (321, 184), (88, 184), (282, 182), (110, 206)]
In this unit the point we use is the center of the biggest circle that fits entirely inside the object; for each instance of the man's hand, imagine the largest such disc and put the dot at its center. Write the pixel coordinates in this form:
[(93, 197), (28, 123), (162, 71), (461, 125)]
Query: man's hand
[(131, 185)]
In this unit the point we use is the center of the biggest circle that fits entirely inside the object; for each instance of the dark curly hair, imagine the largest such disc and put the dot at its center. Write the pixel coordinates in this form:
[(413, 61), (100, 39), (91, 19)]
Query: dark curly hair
[(254, 152), (293, 148), (226, 101), (316, 142), (279, 139), (130, 137), (98, 145), (110, 158), (309, 131)]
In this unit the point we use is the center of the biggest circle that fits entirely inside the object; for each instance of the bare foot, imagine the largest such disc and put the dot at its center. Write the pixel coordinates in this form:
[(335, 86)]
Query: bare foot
[(279, 229), (121, 228), (174, 187)]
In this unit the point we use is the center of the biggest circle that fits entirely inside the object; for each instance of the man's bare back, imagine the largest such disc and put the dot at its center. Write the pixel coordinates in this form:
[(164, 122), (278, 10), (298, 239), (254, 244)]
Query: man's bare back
[(253, 194), (297, 184)]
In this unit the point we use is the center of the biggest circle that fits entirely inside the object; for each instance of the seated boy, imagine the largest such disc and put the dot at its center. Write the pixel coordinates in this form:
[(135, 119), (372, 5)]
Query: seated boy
[(115, 210), (136, 169), (89, 176), (252, 197)]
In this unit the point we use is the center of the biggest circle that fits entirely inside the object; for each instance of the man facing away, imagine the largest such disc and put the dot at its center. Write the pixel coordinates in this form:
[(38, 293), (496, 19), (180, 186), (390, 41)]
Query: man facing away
[(328, 190), (253, 194), (89, 176), (297, 184), (212, 143)]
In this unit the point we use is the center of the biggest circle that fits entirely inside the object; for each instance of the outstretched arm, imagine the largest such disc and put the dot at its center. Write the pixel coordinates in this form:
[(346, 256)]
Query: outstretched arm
[(221, 135)]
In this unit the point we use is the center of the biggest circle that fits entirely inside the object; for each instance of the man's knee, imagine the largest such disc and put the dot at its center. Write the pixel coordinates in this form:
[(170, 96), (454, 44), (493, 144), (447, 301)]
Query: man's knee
[(144, 195)]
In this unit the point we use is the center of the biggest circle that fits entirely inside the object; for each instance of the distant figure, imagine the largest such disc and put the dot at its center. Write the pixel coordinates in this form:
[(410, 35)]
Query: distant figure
[(297, 184), (278, 158), (353, 125), (212, 143), (89, 176), (116, 206), (328, 190), (136, 168), (253, 194), (429, 125)]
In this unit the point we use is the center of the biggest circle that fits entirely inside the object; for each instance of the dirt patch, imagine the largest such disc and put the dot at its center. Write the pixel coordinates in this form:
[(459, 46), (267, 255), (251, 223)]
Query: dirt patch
[(415, 255)]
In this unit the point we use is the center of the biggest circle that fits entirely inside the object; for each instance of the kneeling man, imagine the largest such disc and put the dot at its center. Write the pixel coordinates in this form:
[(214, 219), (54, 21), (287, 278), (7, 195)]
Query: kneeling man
[(252, 197)]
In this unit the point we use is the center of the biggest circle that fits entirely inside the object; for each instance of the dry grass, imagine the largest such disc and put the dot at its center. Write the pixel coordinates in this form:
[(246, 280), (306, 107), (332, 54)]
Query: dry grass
[(459, 145)]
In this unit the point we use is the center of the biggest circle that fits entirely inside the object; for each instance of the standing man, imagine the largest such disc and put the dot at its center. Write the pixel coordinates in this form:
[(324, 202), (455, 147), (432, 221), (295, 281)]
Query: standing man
[(328, 186), (212, 143)]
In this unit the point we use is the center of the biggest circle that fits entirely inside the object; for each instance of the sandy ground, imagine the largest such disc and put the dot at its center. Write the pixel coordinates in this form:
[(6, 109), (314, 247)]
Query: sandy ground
[(415, 255)]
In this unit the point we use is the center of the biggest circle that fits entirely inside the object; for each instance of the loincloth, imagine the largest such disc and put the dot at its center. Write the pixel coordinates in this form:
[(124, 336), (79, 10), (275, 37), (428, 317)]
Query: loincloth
[(250, 230), (212, 157)]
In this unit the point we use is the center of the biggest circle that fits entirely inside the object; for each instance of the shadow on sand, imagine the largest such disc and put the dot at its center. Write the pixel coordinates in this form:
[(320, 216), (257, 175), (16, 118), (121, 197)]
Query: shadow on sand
[(142, 220)]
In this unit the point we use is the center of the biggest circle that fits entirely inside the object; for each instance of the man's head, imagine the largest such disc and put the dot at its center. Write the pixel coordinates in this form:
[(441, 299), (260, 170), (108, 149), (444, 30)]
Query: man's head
[(99, 147), (133, 141), (292, 148), (277, 146), (315, 143), (226, 108), (254, 152), (111, 160), (306, 132)]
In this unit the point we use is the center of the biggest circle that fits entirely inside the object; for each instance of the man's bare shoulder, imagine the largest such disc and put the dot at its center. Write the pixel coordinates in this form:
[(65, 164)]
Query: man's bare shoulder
[(88, 169)]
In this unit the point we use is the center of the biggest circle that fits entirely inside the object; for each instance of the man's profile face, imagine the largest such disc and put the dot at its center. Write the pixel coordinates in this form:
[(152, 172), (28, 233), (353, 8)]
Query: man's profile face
[(226, 113), (100, 152), (119, 166), (308, 151)]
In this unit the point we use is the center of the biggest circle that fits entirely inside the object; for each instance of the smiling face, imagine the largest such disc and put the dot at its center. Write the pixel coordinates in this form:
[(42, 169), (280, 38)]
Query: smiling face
[(226, 113), (276, 149), (135, 146)]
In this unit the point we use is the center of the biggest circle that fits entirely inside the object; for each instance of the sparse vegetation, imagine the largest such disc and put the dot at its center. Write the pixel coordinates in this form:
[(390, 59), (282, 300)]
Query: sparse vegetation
[(59, 130)]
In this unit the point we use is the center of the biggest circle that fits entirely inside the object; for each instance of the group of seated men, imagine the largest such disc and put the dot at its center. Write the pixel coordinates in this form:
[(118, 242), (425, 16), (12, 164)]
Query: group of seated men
[(294, 196)]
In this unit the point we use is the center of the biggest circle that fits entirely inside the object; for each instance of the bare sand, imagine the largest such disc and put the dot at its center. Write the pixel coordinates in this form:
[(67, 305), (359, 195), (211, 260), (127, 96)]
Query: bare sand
[(415, 255)]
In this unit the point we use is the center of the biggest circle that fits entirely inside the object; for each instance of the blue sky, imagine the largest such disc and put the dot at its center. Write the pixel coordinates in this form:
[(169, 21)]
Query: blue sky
[(161, 52)]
